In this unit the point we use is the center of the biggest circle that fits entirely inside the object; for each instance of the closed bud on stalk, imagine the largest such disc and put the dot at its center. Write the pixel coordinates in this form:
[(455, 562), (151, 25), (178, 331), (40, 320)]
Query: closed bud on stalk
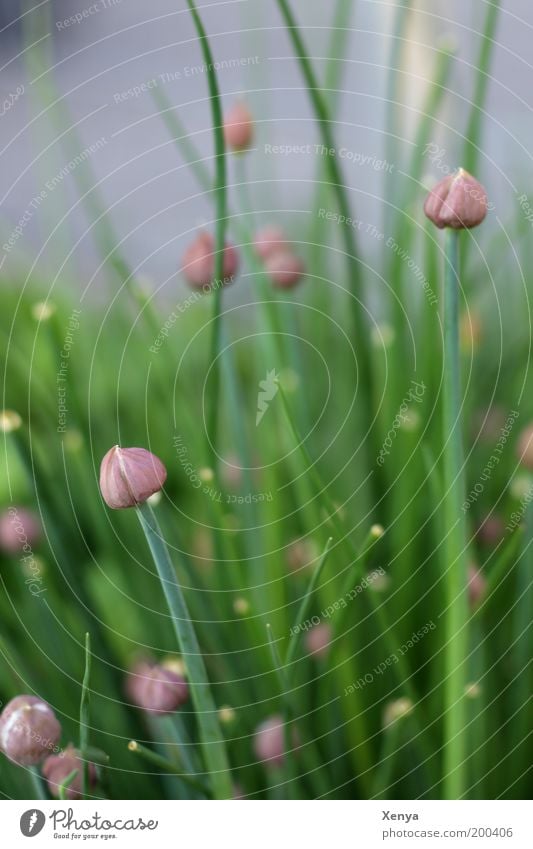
[(20, 530), (238, 128), (318, 640), (269, 240), (129, 476), (227, 715), (284, 268), (269, 742), (199, 262), (43, 310), (57, 768), (29, 730), (397, 710), (472, 690), (157, 689), (457, 201), (9, 421)]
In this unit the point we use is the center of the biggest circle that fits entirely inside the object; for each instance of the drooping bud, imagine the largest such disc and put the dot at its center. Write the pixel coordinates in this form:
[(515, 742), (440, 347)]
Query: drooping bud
[(157, 689), (318, 640), (525, 447), (57, 768), (284, 268), (238, 127), (457, 201), (199, 262), (29, 730), (269, 742), (20, 530), (129, 476), (269, 240)]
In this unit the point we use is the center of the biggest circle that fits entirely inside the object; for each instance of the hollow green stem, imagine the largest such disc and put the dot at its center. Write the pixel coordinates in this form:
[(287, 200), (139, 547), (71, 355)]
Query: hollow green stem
[(479, 97), (84, 716), (360, 327), (65, 784), (167, 766), (305, 604), (213, 744), (456, 634), (220, 193), (37, 783)]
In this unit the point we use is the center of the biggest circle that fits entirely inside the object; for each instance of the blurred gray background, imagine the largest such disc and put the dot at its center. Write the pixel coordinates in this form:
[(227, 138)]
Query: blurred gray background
[(156, 203)]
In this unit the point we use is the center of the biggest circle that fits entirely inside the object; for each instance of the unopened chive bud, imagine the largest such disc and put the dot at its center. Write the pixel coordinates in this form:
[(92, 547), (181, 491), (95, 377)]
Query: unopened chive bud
[(377, 531), (199, 262), (318, 640), (269, 240), (521, 486), (206, 475), (43, 310), (156, 689), (241, 607), (20, 530), (397, 710), (29, 730), (238, 128), (457, 201), (129, 476), (269, 741), (9, 421), (155, 499), (382, 336), (57, 768), (284, 268), (227, 715), (472, 690), (176, 665)]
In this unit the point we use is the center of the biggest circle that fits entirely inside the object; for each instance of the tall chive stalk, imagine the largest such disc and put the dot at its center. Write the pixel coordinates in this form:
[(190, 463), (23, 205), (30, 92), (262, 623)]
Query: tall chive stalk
[(355, 282), (220, 193), (457, 202), (213, 744), (456, 649), (84, 717)]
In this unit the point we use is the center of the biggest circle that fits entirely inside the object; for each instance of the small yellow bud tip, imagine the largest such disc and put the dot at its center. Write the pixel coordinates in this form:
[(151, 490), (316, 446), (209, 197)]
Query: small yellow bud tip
[(206, 475), (9, 421), (377, 531), (42, 311), (132, 746)]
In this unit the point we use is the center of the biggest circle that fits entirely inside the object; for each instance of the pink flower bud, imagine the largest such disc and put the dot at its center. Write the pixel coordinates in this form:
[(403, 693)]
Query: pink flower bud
[(491, 530), (129, 476), (318, 639), (199, 262), (157, 689), (525, 447), (20, 530), (477, 585), (269, 742), (457, 201), (238, 128), (29, 730), (284, 268), (58, 767), (269, 240)]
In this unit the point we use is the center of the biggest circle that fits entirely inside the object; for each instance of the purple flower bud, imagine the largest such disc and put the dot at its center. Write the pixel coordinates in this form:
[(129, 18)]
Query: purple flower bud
[(238, 127), (20, 530), (199, 262), (29, 730), (129, 476), (457, 201), (156, 689), (284, 268), (269, 742), (318, 640), (58, 767)]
